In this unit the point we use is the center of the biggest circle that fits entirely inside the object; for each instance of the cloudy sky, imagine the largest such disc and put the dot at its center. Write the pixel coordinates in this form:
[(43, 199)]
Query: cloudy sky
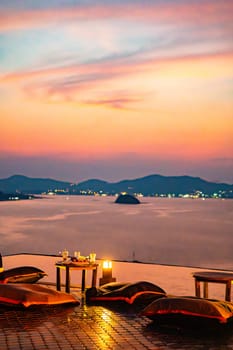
[(116, 89)]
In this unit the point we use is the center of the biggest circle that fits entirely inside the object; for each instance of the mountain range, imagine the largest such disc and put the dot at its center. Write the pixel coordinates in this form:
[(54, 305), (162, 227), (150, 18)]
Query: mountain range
[(148, 186)]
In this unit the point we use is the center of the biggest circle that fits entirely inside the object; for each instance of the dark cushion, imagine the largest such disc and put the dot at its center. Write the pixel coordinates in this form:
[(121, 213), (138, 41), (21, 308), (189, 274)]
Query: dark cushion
[(222, 311), (24, 294), (22, 274), (126, 292)]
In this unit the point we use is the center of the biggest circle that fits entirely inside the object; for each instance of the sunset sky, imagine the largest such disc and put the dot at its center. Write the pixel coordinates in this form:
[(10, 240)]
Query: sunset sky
[(116, 89)]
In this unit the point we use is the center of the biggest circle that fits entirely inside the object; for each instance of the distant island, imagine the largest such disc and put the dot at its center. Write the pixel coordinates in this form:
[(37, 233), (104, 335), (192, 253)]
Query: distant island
[(151, 185), (125, 198)]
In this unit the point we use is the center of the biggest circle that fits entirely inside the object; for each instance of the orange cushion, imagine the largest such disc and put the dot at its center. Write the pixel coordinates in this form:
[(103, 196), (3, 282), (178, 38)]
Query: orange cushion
[(25, 294)]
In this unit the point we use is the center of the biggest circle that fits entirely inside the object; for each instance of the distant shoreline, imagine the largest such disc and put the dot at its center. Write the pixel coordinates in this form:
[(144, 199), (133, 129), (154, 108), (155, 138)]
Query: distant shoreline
[(154, 185), (12, 197)]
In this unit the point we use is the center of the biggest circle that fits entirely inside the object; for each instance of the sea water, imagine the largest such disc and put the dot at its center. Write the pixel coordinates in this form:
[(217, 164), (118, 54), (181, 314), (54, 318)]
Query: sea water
[(187, 232)]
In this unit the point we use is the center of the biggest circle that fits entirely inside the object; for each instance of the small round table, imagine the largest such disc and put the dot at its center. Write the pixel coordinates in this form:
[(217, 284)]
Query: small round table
[(212, 277), (78, 267)]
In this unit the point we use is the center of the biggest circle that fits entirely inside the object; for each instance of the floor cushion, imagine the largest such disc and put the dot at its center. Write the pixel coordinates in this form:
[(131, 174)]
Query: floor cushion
[(22, 274), (125, 292), (25, 294), (189, 308)]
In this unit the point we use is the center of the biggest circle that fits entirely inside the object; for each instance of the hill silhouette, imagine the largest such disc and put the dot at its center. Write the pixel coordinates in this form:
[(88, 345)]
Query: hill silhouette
[(24, 184), (150, 185), (157, 185)]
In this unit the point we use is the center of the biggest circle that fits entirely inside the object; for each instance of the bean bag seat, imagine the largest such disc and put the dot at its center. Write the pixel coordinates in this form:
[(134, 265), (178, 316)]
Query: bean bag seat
[(141, 292), (22, 274), (24, 294), (189, 309)]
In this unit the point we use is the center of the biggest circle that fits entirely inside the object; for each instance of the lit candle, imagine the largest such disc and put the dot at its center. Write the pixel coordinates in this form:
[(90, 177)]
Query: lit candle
[(107, 269), (107, 273)]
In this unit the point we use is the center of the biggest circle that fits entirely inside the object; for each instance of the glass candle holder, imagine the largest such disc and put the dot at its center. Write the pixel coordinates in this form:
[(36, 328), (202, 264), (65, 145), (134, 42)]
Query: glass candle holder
[(92, 257), (65, 255)]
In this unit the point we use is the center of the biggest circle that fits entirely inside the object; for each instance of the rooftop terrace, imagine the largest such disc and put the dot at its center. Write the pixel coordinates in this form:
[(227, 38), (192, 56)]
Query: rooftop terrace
[(97, 327)]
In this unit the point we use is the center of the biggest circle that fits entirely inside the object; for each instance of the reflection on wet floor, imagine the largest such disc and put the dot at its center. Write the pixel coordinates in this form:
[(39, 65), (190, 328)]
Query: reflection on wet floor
[(97, 327)]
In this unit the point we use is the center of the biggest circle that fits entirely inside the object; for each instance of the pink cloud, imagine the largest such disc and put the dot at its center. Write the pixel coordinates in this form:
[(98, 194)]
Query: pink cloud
[(68, 83), (104, 70), (203, 12), (116, 102)]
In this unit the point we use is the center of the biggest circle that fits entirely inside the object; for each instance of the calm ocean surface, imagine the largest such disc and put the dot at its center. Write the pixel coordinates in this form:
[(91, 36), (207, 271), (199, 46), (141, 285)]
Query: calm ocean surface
[(168, 231)]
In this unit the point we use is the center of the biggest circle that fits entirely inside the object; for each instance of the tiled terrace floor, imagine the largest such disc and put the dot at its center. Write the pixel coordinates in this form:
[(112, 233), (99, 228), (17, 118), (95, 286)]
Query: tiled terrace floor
[(97, 327), (100, 328)]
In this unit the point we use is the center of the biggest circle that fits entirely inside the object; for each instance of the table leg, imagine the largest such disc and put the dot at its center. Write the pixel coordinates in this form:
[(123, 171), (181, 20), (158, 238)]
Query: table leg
[(228, 291), (58, 280), (83, 280), (205, 290), (67, 279), (197, 288), (94, 277)]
